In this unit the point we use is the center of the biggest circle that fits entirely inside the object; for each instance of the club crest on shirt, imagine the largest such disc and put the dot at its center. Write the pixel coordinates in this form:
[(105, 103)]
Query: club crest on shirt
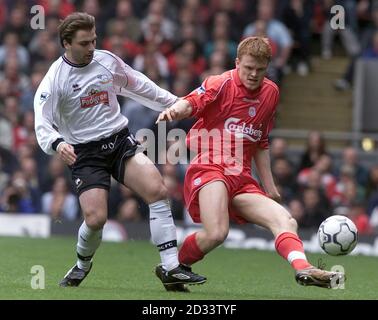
[(94, 98), (104, 79), (252, 111), (197, 181)]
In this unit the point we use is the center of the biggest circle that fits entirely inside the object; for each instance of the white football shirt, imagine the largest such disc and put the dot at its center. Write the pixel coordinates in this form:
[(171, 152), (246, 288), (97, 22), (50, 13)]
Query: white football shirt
[(78, 103)]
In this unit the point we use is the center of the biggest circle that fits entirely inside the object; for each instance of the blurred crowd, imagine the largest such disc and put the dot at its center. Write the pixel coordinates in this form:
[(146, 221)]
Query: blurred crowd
[(178, 43)]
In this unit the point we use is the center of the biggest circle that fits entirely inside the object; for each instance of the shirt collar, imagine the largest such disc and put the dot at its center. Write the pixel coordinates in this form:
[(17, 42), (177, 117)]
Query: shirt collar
[(65, 59)]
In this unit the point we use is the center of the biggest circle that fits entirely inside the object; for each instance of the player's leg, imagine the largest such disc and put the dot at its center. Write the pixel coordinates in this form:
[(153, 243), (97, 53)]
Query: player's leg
[(213, 202), (143, 178), (94, 206), (263, 211), (93, 203)]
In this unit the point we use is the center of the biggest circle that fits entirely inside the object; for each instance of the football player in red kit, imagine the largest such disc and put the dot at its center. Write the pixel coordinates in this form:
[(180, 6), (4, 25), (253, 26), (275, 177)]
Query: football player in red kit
[(237, 108)]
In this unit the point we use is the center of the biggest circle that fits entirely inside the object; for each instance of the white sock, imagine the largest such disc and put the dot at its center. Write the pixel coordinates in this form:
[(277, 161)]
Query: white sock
[(87, 244), (163, 233)]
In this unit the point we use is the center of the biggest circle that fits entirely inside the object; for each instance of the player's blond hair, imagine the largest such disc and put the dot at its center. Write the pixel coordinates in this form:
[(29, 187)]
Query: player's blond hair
[(257, 47), (74, 22)]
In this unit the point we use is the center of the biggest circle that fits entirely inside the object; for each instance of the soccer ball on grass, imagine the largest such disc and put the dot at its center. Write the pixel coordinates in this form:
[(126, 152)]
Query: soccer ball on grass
[(337, 235)]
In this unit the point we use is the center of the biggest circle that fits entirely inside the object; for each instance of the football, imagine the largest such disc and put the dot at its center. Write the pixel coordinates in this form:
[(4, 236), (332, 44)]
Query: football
[(337, 235)]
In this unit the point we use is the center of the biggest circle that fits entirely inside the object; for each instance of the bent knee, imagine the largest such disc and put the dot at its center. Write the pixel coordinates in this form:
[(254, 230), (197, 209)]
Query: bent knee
[(156, 192), (217, 237), (94, 219), (288, 223), (293, 224)]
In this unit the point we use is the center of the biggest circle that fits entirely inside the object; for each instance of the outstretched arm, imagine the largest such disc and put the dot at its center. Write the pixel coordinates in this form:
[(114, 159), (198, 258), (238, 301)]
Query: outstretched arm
[(262, 161), (137, 86), (179, 110)]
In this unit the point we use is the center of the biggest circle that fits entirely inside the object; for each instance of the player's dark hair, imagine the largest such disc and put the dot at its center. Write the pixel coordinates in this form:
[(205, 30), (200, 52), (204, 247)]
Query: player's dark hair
[(74, 22), (257, 47)]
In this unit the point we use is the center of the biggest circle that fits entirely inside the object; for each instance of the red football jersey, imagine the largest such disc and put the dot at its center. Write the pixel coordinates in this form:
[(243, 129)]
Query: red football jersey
[(232, 120)]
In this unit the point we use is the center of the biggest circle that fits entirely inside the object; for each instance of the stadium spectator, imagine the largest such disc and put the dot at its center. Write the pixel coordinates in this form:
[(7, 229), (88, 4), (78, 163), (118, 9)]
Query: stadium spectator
[(239, 12), (158, 23), (18, 24), (297, 17), (130, 23), (346, 189), (14, 81), (124, 47), (19, 197), (10, 162), (4, 177), (296, 209), (3, 14), (215, 193), (152, 58), (188, 56), (28, 167), (60, 203), (217, 65), (372, 189), (371, 52), (54, 169), (315, 147), (129, 211), (366, 39), (60, 8), (191, 26), (279, 149), (221, 33), (152, 31), (277, 32), (6, 132), (357, 213), (78, 116), (12, 47), (348, 34), (323, 168), (350, 158), (284, 177), (27, 96), (314, 209)]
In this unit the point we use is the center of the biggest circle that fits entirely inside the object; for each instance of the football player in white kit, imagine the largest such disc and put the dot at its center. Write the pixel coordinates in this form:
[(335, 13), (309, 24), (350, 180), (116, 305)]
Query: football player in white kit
[(78, 116)]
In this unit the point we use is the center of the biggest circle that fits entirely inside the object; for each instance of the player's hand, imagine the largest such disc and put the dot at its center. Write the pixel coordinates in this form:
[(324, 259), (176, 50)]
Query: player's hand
[(169, 114), (181, 109), (66, 153), (275, 196)]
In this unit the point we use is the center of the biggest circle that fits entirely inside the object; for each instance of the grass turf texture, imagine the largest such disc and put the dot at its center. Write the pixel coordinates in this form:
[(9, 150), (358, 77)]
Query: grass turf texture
[(125, 271)]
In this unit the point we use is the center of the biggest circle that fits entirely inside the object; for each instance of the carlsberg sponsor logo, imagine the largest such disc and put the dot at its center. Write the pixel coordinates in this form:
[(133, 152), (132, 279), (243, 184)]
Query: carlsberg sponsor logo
[(241, 130)]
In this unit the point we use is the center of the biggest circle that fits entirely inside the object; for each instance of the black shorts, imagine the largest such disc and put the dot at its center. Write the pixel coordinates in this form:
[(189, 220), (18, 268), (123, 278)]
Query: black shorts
[(98, 160)]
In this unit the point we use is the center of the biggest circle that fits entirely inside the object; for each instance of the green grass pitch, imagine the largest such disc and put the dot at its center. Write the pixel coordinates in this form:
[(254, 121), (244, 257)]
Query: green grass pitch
[(125, 271)]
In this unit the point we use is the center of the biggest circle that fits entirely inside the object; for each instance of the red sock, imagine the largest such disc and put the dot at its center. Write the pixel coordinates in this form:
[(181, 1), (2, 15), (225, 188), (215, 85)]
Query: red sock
[(290, 247), (190, 252)]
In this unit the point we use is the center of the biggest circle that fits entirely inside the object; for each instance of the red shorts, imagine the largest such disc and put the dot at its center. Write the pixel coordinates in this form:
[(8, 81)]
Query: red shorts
[(197, 176)]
